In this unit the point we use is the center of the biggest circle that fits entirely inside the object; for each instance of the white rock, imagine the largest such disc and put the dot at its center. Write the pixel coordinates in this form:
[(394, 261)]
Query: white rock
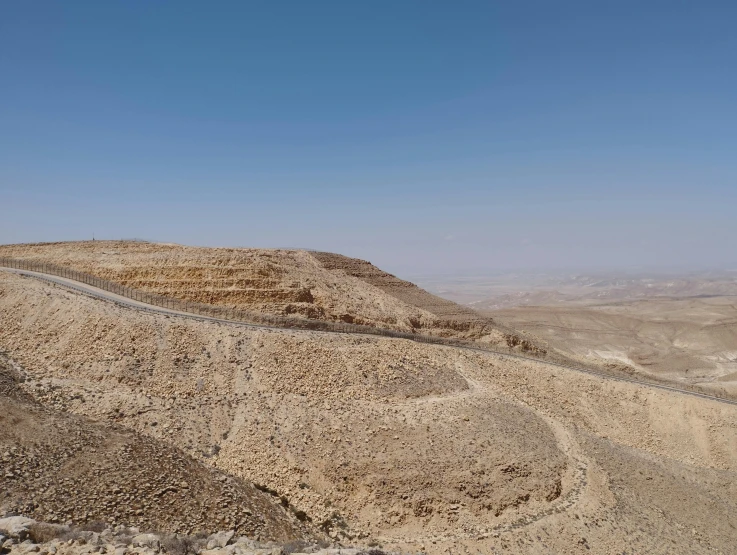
[(220, 539), (338, 551), (16, 526)]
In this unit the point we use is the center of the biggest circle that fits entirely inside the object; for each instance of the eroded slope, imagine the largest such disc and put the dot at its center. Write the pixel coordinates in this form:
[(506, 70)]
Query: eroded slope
[(458, 317), (62, 467), (271, 281), (343, 427), (417, 446)]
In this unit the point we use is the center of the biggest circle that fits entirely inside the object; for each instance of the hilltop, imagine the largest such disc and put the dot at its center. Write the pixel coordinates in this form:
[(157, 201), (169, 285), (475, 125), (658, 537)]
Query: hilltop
[(308, 284), (271, 281)]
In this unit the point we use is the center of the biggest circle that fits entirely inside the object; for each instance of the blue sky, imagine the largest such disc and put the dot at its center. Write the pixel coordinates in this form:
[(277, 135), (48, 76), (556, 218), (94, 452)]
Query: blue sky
[(427, 137)]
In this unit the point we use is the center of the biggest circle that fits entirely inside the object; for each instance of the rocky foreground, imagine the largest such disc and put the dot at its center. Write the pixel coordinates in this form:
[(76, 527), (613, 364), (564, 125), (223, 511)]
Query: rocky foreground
[(19, 534)]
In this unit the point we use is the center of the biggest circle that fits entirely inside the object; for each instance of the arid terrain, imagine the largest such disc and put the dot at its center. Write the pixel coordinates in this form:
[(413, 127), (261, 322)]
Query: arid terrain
[(488, 292), (679, 328), (62, 467), (311, 284), (687, 340), (368, 441)]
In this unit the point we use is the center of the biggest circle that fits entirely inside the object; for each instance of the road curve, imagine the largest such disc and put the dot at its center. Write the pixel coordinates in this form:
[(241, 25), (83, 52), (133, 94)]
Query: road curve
[(125, 301)]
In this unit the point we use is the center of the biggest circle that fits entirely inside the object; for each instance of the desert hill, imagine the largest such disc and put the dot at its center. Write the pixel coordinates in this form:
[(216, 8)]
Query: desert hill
[(272, 281), (412, 446), (457, 316)]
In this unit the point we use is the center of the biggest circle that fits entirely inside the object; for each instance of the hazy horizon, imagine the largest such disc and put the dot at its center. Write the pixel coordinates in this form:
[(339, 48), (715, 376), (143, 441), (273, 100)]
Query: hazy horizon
[(426, 138)]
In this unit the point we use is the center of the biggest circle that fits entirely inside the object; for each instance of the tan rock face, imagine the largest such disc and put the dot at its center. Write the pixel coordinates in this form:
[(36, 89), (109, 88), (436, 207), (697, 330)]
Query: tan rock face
[(314, 285), (456, 319)]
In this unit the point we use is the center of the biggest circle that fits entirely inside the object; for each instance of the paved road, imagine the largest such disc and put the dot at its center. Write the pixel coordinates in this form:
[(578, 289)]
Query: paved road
[(119, 299), (125, 301)]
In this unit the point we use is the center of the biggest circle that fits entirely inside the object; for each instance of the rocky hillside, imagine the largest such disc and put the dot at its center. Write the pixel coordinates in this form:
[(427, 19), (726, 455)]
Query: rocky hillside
[(313, 285), (61, 467), (415, 447), (457, 317)]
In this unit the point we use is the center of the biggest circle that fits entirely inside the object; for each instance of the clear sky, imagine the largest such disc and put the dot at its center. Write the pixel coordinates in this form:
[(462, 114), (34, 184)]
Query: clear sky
[(423, 136)]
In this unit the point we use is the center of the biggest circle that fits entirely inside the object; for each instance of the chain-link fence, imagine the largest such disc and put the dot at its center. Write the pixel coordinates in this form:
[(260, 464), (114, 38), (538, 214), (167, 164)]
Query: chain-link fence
[(231, 314)]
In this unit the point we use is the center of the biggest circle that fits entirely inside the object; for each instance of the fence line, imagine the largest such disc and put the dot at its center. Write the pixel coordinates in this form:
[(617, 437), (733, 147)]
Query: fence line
[(240, 316), (233, 314)]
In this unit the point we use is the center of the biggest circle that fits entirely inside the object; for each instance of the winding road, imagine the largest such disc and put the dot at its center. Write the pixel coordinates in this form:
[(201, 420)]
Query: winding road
[(138, 305)]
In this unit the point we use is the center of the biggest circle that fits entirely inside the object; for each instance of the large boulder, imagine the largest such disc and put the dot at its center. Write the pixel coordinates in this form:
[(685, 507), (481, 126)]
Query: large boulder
[(152, 541), (16, 527), (219, 539)]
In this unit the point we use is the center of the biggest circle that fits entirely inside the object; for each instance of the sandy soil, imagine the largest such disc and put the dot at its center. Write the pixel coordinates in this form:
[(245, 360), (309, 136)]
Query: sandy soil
[(416, 446)]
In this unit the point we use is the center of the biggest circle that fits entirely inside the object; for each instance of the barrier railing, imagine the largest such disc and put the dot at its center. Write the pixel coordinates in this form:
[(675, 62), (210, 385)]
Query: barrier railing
[(238, 315)]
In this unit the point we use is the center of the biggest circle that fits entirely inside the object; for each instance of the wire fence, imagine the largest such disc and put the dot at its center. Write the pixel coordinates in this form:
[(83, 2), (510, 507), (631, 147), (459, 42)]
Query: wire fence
[(232, 314), (241, 316)]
